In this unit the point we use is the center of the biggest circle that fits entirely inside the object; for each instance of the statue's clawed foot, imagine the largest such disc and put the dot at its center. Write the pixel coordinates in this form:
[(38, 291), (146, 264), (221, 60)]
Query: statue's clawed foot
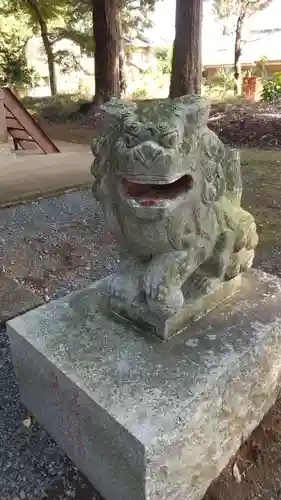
[(201, 284), (162, 286), (124, 286), (240, 262), (163, 300)]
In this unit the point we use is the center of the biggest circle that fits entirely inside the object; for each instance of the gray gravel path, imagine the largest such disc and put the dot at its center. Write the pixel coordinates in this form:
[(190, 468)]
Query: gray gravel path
[(32, 466), (57, 244)]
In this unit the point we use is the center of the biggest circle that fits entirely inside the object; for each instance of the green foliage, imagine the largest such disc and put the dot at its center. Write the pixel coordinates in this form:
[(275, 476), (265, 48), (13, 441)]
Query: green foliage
[(85, 40), (260, 70), (135, 18), (67, 61), (272, 89), (164, 59), (139, 93), (64, 19), (51, 11), (224, 79), (14, 69), (56, 108), (226, 8), (135, 15)]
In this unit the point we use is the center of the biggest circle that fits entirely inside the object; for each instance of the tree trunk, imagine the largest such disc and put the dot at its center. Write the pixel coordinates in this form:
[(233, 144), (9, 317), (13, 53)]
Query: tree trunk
[(122, 70), (47, 45), (106, 28), (238, 53), (51, 63), (186, 75)]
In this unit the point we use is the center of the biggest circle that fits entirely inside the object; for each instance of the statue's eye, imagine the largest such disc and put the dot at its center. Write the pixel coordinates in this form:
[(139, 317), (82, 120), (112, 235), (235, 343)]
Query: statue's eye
[(170, 140), (163, 127), (131, 133), (130, 140), (133, 127)]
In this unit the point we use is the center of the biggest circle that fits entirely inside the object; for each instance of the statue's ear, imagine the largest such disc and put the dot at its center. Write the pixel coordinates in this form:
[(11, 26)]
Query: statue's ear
[(101, 143), (119, 109), (112, 113), (197, 109)]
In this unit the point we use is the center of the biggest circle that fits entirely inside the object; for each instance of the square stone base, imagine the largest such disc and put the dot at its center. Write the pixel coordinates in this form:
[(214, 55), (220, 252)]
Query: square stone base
[(145, 419)]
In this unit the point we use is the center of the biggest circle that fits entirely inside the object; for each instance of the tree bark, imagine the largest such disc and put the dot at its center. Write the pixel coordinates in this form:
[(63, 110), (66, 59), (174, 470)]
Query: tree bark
[(238, 53), (186, 77), (47, 45), (106, 28), (122, 70)]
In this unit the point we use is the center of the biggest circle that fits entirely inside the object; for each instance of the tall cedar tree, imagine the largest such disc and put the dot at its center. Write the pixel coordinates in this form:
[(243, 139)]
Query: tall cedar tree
[(186, 77), (106, 31)]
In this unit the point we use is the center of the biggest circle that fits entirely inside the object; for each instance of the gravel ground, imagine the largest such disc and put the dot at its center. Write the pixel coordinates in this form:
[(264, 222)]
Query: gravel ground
[(57, 234), (54, 245)]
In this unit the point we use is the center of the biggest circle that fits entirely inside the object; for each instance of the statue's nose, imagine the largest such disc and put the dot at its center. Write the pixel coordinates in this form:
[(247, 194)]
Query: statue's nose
[(147, 153)]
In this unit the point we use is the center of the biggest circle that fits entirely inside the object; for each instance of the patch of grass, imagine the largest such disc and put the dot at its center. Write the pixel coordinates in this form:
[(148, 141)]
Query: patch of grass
[(261, 172)]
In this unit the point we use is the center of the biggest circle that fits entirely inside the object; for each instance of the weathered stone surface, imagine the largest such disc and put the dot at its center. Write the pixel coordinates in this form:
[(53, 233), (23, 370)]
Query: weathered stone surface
[(171, 193), (145, 419), (138, 311), (15, 298)]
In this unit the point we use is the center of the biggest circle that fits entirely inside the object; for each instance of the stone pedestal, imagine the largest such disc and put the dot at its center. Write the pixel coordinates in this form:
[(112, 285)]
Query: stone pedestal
[(145, 419)]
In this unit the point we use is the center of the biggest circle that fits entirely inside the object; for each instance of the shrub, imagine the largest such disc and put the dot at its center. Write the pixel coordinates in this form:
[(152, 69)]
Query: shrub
[(54, 108), (14, 68), (224, 79), (164, 60), (261, 70), (272, 88), (139, 93)]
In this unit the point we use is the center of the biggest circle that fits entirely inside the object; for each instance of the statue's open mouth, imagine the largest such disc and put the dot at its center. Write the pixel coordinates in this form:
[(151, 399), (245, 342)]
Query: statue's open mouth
[(150, 194)]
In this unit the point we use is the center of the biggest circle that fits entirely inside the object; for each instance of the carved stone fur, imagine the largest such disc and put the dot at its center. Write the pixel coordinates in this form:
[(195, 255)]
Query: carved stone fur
[(171, 194)]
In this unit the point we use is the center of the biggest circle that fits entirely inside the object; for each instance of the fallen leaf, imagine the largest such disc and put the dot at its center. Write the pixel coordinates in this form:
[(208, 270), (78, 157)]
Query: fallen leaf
[(236, 473), (27, 422)]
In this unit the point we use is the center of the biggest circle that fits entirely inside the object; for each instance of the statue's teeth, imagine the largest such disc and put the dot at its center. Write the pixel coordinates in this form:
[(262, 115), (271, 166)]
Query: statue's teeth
[(147, 203)]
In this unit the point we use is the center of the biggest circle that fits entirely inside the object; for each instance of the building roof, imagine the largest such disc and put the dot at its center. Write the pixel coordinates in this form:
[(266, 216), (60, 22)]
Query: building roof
[(266, 44)]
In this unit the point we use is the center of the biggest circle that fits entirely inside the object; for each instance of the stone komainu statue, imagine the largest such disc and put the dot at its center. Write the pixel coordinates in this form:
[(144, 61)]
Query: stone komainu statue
[(171, 194)]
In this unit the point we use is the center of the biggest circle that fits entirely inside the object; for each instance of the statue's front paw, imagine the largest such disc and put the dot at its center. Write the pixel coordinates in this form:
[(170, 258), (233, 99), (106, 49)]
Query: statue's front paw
[(202, 284), (125, 286), (163, 300), (240, 262)]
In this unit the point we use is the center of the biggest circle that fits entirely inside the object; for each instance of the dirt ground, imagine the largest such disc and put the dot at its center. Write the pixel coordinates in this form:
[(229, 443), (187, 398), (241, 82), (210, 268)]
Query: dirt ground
[(258, 462), (59, 256), (237, 123), (247, 125)]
